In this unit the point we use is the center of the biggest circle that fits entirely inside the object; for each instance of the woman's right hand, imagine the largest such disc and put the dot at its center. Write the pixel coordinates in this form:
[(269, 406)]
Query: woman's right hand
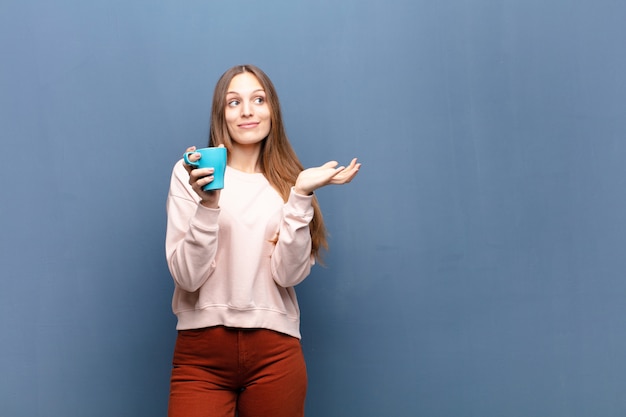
[(198, 178)]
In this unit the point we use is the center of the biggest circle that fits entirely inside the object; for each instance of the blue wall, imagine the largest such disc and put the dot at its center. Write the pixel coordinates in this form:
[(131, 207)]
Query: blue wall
[(477, 264)]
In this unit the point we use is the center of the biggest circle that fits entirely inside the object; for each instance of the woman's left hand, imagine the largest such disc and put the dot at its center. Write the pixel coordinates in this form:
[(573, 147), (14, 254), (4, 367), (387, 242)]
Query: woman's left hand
[(311, 179)]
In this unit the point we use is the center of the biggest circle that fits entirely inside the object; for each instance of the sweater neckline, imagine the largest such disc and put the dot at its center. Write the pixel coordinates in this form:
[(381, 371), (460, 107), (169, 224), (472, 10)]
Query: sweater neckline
[(246, 176)]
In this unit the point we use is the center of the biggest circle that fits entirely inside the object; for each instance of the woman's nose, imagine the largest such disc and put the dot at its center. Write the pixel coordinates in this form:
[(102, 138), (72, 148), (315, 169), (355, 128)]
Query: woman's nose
[(246, 109)]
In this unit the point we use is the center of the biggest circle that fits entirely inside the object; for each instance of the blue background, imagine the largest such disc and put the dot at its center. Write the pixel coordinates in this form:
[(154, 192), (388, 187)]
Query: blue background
[(477, 262)]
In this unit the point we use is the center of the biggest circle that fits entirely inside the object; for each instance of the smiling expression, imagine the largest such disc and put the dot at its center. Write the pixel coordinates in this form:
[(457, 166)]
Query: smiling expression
[(247, 113)]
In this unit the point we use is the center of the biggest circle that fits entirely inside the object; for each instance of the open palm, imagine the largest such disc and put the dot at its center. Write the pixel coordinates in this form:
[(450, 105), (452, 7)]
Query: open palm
[(311, 179)]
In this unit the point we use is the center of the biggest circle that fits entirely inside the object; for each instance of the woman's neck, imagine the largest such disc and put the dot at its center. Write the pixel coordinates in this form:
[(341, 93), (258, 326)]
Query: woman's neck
[(245, 158)]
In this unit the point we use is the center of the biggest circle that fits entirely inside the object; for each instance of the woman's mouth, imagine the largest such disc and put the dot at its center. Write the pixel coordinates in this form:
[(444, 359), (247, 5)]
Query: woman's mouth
[(248, 125)]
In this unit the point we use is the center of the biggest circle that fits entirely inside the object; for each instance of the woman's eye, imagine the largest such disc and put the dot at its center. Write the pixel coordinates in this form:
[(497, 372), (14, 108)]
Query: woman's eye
[(233, 103), (259, 100)]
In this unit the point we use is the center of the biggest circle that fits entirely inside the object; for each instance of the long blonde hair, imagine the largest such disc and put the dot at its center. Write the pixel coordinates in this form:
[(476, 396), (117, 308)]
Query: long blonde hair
[(278, 161)]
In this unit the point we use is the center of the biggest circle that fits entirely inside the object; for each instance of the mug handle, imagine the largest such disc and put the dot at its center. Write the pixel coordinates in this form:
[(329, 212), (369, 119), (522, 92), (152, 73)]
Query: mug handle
[(188, 162)]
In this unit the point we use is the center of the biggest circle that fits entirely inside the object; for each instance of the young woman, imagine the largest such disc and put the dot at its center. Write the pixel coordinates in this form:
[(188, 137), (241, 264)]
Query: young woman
[(235, 256)]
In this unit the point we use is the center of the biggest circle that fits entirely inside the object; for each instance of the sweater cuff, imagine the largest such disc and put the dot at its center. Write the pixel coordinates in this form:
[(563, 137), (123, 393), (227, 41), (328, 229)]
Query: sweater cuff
[(302, 204)]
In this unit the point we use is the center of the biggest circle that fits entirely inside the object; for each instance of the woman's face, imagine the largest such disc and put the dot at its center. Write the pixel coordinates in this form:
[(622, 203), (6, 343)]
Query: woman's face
[(247, 113)]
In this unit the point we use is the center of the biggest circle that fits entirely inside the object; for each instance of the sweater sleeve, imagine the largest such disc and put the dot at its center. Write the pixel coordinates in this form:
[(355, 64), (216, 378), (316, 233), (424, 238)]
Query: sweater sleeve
[(191, 237), (291, 260)]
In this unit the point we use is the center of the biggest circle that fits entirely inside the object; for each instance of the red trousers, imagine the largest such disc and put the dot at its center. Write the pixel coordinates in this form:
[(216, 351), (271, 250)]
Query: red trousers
[(219, 370)]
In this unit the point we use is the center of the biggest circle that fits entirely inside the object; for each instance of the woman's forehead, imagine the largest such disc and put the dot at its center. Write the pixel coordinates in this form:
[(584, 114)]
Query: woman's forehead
[(244, 83)]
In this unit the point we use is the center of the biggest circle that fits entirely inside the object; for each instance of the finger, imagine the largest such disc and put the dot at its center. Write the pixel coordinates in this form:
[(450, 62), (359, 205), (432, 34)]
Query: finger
[(330, 164), (347, 175), (344, 171), (337, 177), (205, 180), (354, 166), (198, 173), (201, 182), (190, 149), (351, 166), (194, 156)]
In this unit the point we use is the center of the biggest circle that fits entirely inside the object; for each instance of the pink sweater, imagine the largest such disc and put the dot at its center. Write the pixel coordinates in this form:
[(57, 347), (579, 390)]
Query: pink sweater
[(225, 267)]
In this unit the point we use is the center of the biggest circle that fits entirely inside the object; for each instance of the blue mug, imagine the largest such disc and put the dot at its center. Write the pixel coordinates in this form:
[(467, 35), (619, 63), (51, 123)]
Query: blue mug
[(210, 158)]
